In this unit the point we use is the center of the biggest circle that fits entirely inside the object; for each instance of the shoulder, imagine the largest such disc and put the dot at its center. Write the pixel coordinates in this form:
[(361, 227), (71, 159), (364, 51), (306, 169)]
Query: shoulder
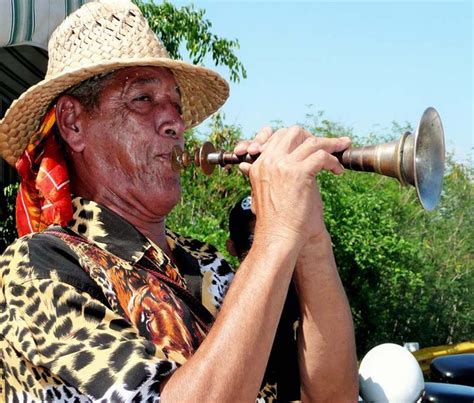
[(44, 256), (200, 248), (37, 254)]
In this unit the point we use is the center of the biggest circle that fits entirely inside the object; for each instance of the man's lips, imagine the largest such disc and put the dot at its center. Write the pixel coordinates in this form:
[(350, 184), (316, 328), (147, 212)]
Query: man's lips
[(166, 156), (163, 156), (165, 160)]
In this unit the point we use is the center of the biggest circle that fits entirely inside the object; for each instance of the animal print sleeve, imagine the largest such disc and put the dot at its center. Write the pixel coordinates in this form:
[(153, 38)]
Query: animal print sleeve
[(60, 344)]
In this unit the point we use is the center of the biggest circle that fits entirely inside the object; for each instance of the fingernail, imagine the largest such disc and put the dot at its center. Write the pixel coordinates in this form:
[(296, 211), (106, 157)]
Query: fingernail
[(253, 147), (239, 148)]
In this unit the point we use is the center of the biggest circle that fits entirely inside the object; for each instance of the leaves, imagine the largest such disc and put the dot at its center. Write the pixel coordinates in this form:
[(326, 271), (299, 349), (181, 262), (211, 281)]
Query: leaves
[(7, 216), (187, 27)]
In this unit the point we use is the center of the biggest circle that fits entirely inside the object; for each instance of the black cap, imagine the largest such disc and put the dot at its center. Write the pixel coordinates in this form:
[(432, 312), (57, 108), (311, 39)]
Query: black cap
[(240, 218)]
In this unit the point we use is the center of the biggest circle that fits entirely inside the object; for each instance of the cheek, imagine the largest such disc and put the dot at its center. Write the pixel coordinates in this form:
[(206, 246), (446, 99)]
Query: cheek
[(126, 141), (126, 152), (128, 148)]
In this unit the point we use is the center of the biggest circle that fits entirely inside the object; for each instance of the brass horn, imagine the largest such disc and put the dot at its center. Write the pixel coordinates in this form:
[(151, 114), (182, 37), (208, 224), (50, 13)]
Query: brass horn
[(415, 159)]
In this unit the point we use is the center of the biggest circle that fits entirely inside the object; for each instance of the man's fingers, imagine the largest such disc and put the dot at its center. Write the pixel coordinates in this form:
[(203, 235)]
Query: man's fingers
[(322, 160), (264, 134), (254, 146), (271, 144), (241, 147), (298, 145), (245, 168), (287, 140), (313, 144)]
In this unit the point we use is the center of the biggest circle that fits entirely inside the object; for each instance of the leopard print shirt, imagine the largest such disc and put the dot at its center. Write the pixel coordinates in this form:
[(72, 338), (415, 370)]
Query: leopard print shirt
[(61, 341)]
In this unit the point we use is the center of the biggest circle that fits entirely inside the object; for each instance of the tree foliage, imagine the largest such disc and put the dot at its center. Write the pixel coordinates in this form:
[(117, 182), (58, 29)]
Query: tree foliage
[(408, 273), (7, 216), (186, 26)]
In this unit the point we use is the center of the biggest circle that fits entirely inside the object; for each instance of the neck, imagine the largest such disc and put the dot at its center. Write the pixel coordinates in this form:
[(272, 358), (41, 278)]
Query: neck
[(150, 224)]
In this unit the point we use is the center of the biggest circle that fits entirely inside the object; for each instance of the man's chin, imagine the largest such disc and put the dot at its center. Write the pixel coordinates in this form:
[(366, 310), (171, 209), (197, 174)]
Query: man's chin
[(164, 202)]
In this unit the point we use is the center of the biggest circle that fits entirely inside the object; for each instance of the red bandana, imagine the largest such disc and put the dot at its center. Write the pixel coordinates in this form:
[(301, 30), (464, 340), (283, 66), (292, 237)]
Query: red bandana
[(44, 196)]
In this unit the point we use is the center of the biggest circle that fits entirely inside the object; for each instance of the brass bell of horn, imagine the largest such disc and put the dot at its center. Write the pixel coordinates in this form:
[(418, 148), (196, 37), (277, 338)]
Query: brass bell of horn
[(416, 159)]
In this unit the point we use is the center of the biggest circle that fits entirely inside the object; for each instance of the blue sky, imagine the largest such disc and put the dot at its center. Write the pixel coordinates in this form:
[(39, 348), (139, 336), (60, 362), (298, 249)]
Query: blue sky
[(365, 64)]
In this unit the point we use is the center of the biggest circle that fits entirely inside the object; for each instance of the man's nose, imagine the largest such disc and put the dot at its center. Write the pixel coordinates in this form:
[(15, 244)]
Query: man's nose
[(169, 121)]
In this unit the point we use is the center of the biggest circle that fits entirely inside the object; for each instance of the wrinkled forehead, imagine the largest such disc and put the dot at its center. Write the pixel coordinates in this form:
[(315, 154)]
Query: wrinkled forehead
[(130, 73), (143, 75)]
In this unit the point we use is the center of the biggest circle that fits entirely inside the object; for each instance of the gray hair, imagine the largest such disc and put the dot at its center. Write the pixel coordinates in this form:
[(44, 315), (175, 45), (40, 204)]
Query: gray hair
[(88, 92)]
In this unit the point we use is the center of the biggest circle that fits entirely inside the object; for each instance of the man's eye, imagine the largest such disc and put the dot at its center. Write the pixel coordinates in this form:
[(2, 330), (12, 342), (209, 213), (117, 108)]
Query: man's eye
[(142, 98)]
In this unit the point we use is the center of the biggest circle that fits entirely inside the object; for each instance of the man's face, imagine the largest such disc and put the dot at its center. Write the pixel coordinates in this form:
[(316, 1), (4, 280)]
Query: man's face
[(130, 136)]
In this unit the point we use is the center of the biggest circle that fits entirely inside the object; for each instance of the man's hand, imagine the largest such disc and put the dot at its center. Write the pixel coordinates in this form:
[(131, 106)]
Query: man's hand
[(288, 205), (286, 198)]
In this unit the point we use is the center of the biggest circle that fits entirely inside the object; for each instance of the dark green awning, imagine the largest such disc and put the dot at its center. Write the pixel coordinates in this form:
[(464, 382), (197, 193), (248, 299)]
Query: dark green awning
[(25, 28)]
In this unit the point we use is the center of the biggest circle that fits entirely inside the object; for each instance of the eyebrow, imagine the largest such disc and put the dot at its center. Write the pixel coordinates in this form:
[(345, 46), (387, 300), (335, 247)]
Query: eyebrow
[(135, 82), (145, 80)]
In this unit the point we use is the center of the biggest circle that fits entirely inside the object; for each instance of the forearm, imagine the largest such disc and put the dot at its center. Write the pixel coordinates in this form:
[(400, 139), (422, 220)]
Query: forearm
[(326, 345), (230, 363)]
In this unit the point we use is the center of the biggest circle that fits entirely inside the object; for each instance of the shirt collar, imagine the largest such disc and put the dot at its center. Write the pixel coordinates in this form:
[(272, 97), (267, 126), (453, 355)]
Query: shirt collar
[(107, 230)]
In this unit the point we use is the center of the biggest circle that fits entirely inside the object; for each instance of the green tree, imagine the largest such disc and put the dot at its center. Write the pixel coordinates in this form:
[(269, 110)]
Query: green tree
[(448, 258), (186, 26)]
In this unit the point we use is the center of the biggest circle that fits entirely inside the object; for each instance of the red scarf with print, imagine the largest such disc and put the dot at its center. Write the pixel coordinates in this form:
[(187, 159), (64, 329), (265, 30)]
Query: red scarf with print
[(44, 195)]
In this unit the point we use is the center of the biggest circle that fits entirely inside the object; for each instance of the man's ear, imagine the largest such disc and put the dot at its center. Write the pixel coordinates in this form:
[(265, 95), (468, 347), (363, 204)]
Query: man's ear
[(229, 244), (69, 114)]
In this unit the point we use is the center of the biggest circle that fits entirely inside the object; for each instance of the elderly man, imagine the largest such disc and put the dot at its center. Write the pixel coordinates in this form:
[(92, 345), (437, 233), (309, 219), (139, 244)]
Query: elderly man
[(99, 301)]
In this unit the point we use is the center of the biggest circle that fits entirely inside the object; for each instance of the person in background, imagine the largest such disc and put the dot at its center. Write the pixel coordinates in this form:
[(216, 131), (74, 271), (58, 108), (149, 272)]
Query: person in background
[(282, 369), (241, 228)]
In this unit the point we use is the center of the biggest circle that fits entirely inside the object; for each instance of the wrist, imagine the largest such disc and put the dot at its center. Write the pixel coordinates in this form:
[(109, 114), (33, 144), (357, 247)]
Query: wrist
[(320, 241), (278, 235), (316, 249), (281, 244), (273, 254)]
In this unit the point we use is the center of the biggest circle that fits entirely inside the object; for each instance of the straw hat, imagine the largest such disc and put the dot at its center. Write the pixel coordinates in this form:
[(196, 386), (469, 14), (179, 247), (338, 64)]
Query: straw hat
[(102, 36)]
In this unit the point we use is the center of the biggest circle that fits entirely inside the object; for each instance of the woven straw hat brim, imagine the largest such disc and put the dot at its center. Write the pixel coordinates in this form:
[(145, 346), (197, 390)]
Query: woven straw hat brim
[(203, 92)]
